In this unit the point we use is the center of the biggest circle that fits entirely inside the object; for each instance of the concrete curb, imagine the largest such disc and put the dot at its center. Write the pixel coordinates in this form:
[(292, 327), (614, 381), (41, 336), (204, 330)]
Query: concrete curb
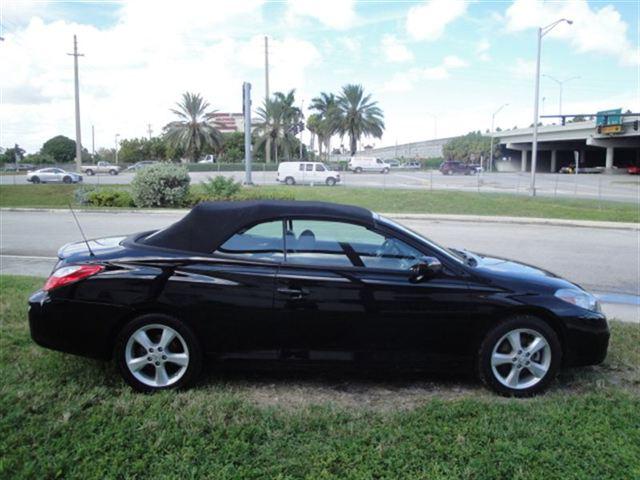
[(435, 217)]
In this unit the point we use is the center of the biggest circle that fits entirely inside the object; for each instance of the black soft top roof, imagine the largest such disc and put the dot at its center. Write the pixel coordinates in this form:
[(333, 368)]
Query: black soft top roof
[(210, 224)]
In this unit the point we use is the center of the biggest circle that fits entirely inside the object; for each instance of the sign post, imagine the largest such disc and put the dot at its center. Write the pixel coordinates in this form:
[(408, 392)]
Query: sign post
[(246, 110)]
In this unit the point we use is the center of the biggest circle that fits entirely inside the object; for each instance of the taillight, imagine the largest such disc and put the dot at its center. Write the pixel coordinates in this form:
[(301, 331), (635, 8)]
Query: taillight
[(66, 275)]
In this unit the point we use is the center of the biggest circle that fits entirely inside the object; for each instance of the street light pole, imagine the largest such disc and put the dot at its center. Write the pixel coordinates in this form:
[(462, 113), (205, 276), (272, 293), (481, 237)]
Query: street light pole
[(435, 124), (116, 142), (560, 84), (493, 118), (542, 31)]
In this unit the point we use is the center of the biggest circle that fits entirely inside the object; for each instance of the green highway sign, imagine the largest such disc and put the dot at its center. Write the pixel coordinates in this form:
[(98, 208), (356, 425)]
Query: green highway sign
[(609, 117)]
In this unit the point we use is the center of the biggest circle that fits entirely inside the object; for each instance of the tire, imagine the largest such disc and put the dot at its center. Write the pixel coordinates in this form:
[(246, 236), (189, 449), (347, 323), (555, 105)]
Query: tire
[(450, 172), (149, 362), (67, 180), (358, 170), (385, 171), (290, 181), (89, 172), (330, 181), (113, 172), (509, 373), (35, 180)]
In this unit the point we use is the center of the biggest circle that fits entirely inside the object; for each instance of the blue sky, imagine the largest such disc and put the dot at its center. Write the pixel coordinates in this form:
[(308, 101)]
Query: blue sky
[(453, 61)]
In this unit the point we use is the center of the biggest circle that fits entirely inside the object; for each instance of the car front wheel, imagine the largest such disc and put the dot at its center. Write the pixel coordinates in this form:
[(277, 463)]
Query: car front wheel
[(89, 172), (519, 357), (157, 352), (330, 181), (290, 181), (35, 180)]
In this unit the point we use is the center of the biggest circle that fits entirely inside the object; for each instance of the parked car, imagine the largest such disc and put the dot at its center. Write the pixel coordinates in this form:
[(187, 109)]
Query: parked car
[(393, 163), (451, 167), (53, 175), (571, 169), (292, 173), (140, 165), (208, 159), (100, 167), (415, 165), (633, 170), (368, 164), (18, 167), (315, 283)]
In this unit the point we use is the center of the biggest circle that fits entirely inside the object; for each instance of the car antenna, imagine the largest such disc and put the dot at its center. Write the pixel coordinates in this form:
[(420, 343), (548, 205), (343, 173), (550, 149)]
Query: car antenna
[(84, 237)]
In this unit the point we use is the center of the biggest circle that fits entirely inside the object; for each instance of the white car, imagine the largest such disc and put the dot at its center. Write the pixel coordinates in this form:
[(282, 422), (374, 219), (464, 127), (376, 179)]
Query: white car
[(306, 172), (208, 159), (53, 175), (368, 164)]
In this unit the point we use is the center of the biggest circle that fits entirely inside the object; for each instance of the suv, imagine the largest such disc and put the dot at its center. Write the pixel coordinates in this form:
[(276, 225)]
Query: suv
[(306, 172), (451, 167)]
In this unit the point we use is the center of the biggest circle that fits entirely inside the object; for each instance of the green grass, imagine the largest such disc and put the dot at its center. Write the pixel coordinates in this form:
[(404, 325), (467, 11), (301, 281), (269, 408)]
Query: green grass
[(66, 417), (389, 201)]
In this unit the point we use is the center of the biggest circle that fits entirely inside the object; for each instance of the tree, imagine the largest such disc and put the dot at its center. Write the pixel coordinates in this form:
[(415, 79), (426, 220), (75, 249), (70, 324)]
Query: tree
[(196, 131), (359, 115), (277, 117), (232, 149), (61, 148), (139, 149), (9, 155), (330, 119), (470, 146)]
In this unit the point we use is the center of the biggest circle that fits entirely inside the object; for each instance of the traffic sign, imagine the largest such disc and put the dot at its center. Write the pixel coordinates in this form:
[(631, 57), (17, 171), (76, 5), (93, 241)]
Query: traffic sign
[(609, 117)]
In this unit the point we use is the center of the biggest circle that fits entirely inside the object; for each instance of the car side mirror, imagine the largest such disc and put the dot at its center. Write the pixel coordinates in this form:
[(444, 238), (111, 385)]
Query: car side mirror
[(428, 268)]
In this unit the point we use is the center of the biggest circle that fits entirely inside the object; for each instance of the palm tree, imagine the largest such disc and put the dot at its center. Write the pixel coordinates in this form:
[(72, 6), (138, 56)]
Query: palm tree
[(313, 125), (329, 118), (277, 116), (196, 130), (359, 115)]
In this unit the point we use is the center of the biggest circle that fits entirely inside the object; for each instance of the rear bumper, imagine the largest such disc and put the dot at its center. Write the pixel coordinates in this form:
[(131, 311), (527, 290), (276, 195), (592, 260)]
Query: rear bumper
[(81, 328)]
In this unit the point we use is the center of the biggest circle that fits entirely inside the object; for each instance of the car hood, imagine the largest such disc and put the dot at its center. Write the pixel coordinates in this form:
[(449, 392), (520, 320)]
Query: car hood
[(510, 271)]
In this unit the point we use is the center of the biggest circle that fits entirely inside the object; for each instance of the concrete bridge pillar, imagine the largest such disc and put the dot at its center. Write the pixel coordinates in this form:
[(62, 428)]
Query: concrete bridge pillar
[(554, 163), (609, 159), (523, 163)]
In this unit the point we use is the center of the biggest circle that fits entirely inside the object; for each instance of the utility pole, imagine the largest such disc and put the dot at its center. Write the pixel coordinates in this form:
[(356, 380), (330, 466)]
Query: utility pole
[(116, 144), (93, 141), (149, 130), (267, 153), (246, 109), (75, 56), (493, 119)]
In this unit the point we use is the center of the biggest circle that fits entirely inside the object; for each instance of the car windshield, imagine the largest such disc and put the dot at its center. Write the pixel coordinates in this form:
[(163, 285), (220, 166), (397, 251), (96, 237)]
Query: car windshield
[(456, 255)]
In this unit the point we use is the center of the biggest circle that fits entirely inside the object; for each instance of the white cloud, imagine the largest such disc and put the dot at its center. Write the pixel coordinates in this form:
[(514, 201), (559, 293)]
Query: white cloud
[(406, 81), (524, 69), (338, 14), (598, 30), (136, 69), (482, 50), (429, 20), (394, 50)]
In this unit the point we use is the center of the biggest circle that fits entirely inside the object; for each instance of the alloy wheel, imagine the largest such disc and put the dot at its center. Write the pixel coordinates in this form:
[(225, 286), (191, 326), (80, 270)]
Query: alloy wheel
[(521, 358), (157, 355)]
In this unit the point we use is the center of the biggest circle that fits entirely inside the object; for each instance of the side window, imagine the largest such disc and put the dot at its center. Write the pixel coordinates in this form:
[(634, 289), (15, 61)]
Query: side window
[(301, 167), (260, 242), (378, 161), (319, 167), (314, 242), (309, 167)]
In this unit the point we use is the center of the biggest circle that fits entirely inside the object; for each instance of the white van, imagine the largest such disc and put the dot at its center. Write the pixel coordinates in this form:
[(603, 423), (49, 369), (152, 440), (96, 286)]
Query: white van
[(368, 164), (306, 172)]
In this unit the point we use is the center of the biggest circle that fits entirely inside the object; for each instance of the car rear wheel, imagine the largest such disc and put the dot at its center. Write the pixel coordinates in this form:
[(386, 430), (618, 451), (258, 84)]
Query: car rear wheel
[(385, 170), (113, 172), (520, 357), (67, 179), (89, 172), (157, 352), (290, 181), (330, 181), (358, 170), (35, 180)]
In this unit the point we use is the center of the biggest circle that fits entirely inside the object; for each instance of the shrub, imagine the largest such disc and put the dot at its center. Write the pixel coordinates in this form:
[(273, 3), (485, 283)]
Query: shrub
[(81, 194), (161, 185), (110, 197), (220, 188), (255, 193)]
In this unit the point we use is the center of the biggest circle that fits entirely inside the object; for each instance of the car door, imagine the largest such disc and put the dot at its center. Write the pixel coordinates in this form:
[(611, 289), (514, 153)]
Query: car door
[(345, 293), (231, 294)]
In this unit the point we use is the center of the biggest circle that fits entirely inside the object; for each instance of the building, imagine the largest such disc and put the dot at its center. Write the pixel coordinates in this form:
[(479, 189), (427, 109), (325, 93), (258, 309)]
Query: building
[(229, 122), (558, 146), (415, 150)]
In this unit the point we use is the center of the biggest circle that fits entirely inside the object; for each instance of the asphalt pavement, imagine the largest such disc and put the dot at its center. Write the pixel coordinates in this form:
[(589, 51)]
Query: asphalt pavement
[(603, 260), (620, 187)]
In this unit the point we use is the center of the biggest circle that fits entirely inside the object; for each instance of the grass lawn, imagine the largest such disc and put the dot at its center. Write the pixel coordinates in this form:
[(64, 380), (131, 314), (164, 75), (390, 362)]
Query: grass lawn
[(68, 417), (389, 201)]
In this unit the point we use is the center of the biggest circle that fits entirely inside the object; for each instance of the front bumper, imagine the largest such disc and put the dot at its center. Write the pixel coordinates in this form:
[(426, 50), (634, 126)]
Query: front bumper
[(586, 339)]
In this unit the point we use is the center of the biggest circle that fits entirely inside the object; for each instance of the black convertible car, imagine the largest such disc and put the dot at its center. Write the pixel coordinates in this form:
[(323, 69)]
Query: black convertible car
[(310, 282)]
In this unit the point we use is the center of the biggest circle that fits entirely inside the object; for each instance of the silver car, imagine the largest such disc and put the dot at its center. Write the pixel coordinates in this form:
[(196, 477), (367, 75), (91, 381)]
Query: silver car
[(52, 175)]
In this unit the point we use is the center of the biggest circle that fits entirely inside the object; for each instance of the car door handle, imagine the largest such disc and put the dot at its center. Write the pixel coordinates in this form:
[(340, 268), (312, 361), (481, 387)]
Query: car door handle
[(294, 292)]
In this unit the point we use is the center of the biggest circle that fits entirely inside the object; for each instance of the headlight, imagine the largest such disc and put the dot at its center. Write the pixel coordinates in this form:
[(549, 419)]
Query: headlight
[(579, 298)]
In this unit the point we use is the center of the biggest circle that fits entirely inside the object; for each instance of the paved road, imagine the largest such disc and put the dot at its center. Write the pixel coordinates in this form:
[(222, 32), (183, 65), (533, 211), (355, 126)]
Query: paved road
[(607, 187), (603, 260)]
